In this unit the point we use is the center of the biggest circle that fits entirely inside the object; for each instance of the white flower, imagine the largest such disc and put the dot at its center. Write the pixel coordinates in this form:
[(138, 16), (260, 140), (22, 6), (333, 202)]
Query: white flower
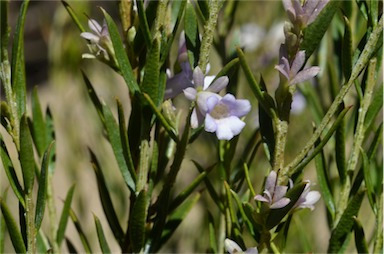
[(307, 198), (274, 194), (232, 247)]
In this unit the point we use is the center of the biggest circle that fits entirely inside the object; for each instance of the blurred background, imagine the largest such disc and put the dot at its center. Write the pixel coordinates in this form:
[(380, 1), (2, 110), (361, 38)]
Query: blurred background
[(53, 49)]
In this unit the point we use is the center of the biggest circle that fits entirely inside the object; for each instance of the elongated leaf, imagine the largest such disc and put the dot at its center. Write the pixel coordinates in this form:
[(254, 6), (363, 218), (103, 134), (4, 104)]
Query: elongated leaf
[(323, 181), (41, 194), (26, 155), (70, 246), (13, 229), (344, 227), (176, 218), (137, 221), (212, 234), (18, 62), (100, 234), (64, 215), (4, 30), (121, 56), (10, 172), (38, 125), (150, 83), (190, 188), (374, 107), (360, 242), (368, 180), (115, 140), (315, 31), (124, 140), (191, 34), (247, 222), (83, 238), (340, 148), (106, 202), (2, 232), (94, 98), (143, 22), (346, 59), (42, 243), (73, 16)]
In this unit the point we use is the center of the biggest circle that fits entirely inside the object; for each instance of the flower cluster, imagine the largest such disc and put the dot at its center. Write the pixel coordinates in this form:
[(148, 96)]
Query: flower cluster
[(304, 14), (219, 114), (274, 195)]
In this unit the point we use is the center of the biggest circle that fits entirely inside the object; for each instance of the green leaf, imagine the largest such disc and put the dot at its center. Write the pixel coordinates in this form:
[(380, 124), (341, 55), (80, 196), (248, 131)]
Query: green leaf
[(43, 182), (4, 30), (64, 215), (26, 155), (360, 242), (346, 52), (101, 236), (374, 107), (143, 22), (10, 172), (340, 147), (121, 56), (244, 216), (323, 181), (73, 16), (150, 84), (124, 140), (204, 8), (13, 229), (115, 140), (368, 179), (18, 62), (106, 202), (212, 234), (49, 126), (70, 246), (2, 229), (83, 238), (94, 98), (315, 31), (137, 221), (190, 188), (192, 39), (176, 218), (42, 243), (38, 125), (344, 227)]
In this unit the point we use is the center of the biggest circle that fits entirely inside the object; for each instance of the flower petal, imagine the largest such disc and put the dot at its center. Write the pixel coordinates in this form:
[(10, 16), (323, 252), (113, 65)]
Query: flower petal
[(91, 37), (231, 246), (198, 77), (280, 203), (261, 198), (94, 26), (190, 93), (270, 183), (229, 127), (297, 63), (236, 107), (219, 84), (305, 75), (252, 251), (176, 85), (210, 124)]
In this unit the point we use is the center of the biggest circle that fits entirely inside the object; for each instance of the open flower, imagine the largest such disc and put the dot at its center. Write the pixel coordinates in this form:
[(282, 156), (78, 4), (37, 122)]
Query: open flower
[(303, 15), (308, 198), (219, 114), (292, 71), (232, 247), (100, 42), (274, 194)]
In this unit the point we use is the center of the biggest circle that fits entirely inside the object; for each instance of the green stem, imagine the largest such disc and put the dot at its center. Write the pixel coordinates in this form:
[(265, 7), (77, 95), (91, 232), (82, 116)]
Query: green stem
[(358, 140), (281, 139), (209, 31), (378, 245), (359, 66), (52, 215), (30, 221)]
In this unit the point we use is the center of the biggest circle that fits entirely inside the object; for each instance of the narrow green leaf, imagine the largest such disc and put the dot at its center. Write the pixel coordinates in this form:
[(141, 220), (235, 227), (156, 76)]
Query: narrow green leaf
[(94, 98), (10, 172), (204, 8), (247, 222), (26, 155), (106, 202), (212, 234), (143, 22), (101, 236), (375, 107), (360, 242), (2, 228), (315, 31), (43, 182), (18, 62), (83, 238), (115, 140), (144, 164), (124, 140), (176, 218), (344, 227), (340, 148), (4, 30), (73, 16), (49, 126), (70, 246), (42, 243), (150, 84), (121, 56), (346, 52), (64, 215), (38, 125), (137, 221), (368, 180), (190, 188), (323, 181), (167, 126), (192, 39), (228, 68), (13, 229)]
